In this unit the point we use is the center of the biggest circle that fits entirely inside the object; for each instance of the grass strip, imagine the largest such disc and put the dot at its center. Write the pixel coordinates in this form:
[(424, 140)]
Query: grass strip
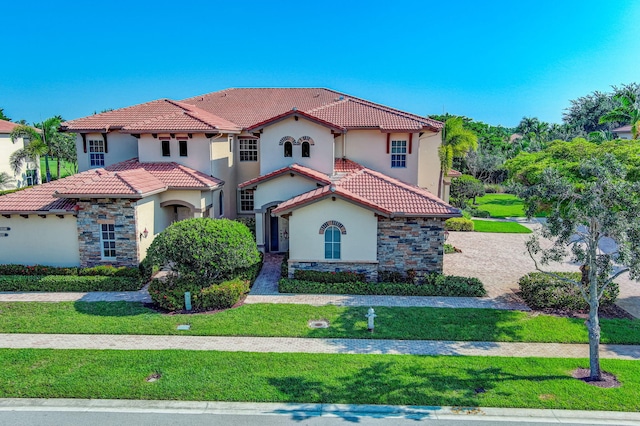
[(500, 205), (499, 227), (272, 320), (314, 378)]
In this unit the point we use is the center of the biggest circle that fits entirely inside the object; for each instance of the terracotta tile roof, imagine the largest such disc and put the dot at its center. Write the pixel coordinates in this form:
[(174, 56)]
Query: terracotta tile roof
[(294, 168), (376, 191), (233, 109), (128, 179), (6, 126), (174, 175), (294, 113), (157, 115), (454, 173), (135, 183), (344, 165)]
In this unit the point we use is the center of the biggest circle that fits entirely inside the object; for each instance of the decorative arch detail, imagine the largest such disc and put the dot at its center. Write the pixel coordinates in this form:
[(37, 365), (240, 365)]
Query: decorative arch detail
[(335, 223), (287, 139), (305, 139)]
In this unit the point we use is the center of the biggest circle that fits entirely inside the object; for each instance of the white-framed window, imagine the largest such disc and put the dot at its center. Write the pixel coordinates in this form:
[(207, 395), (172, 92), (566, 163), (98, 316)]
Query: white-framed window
[(398, 154), (108, 241), (246, 200), (96, 153), (248, 149), (332, 242)]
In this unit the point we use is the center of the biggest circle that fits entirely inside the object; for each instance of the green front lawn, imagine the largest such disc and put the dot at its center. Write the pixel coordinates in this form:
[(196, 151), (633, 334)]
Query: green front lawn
[(314, 378), (501, 205), (291, 321), (499, 227)]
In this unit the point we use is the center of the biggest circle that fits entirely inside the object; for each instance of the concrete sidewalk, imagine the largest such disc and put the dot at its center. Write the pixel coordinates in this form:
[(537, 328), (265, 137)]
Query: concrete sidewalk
[(307, 345), (299, 412)]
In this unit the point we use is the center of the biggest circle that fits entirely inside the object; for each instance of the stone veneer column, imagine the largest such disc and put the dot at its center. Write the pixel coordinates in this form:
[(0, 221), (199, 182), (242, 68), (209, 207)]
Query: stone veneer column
[(122, 214), (410, 243)]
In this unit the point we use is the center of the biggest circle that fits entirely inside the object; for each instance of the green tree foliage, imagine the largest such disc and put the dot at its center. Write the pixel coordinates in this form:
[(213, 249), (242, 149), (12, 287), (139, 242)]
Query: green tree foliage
[(565, 157), (464, 189), (604, 204), (41, 142), (2, 116), (456, 142), (205, 250), (628, 112), (5, 180)]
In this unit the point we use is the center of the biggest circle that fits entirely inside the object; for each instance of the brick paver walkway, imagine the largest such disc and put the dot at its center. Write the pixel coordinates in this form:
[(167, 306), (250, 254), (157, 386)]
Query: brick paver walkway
[(304, 345)]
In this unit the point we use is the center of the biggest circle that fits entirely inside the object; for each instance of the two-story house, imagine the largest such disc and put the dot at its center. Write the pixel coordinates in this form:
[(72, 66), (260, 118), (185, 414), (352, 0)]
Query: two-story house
[(28, 172), (340, 182)]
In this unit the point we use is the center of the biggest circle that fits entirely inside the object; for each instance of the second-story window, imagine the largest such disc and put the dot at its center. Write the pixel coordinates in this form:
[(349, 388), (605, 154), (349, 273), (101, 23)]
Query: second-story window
[(248, 149), (306, 149), (398, 154), (183, 148), (288, 149), (96, 153), (166, 149)]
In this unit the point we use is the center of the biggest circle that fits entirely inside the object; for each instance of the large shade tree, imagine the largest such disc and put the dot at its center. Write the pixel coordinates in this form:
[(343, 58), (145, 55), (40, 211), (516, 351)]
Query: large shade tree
[(456, 142), (602, 204)]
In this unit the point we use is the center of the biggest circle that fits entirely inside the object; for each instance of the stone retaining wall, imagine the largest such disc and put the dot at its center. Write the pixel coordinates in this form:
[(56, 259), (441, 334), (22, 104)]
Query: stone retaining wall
[(370, 269)]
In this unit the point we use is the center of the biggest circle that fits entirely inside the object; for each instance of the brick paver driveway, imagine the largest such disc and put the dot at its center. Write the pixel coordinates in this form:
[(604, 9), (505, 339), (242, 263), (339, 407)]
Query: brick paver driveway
[(499, 260)]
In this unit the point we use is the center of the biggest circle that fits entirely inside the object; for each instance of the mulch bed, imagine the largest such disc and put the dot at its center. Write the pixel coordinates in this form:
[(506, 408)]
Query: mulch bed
[(607, 312), (608, 379)]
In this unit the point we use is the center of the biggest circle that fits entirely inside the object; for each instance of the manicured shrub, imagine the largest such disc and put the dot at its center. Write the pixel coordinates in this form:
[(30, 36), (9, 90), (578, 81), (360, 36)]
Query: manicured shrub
[(101, 270), (328, 277), (168, 293), (434, 285), (147, 269), (458, 224), (204, 249), (284, 266), (62, 283), (465, 188), (542, 291), (493, 188), (448, 249), (110, 271), (391, 277), (474, 212)]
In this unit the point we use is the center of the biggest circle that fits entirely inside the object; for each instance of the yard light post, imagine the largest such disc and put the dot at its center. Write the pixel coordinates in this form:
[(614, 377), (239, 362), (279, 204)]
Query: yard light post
[(371, 314)]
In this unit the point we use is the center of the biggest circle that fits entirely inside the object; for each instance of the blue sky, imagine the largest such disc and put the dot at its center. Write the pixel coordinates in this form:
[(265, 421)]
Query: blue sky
[(494, 61)]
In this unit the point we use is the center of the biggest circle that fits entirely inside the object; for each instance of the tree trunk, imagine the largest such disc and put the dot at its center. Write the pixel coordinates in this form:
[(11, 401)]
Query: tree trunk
[(58, 159), (593, 324), (441, 184), (46, 166)]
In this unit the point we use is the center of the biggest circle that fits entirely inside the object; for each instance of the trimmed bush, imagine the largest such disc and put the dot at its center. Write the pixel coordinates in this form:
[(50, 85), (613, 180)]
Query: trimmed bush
[(458, 224), (63, 283), (542, 291), (204, 249), (328, 277), (435, 285), (168, 293), (102, 270)]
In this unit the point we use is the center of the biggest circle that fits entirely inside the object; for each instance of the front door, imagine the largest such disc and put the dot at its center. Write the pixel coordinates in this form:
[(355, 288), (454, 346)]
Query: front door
[(273, 235)]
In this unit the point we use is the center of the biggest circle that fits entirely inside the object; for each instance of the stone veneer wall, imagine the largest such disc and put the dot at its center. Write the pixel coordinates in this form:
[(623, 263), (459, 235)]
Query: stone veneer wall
[(122, 214), (370, 270), (410, 243)]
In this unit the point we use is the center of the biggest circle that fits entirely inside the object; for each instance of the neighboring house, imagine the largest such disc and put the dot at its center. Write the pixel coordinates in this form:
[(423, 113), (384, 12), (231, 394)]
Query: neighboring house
[(340, 182), (29, 172), (623, 132)]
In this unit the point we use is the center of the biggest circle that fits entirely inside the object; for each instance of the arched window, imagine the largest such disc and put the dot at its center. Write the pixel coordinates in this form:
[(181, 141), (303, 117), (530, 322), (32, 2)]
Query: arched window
[(288, 149), (332, 242), (221, 203), (306, 149)]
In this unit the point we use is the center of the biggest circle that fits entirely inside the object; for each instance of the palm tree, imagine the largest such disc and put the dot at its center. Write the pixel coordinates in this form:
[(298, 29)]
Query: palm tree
[(5, 180), (42, 140), (456, 142), (628, 112)]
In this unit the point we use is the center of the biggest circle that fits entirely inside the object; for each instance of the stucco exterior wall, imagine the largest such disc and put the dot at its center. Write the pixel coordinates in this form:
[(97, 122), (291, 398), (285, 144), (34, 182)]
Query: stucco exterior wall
[(306, 243), (221, 166), (120, 147), (429, 162), (50, 241), (7, 147), (369, 148), (272, 153), (281, 188), (198, 156)]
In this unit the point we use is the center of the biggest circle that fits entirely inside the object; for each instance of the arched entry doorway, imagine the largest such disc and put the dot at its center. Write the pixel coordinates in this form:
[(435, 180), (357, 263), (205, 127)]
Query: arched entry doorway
[(177, 210), (275, 230)]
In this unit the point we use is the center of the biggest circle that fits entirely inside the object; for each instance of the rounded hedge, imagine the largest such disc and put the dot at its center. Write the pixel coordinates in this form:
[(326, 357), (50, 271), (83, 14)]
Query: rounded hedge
[(205, 249)]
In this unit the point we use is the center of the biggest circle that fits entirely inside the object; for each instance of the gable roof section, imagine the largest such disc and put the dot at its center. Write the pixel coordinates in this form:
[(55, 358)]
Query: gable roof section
[(128, 179), (295, 169), (7, 126), (159, 115), (234, 109), (375, 191), (295, 113)]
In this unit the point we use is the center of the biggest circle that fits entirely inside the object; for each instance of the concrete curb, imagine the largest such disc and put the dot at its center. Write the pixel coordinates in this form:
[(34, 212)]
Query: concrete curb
[(301, 411)]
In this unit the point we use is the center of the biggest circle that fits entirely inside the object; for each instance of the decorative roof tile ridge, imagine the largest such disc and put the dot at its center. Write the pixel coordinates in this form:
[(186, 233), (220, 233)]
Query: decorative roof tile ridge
[(329, 105), (156, 118), (118, 110), (434, 123)]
